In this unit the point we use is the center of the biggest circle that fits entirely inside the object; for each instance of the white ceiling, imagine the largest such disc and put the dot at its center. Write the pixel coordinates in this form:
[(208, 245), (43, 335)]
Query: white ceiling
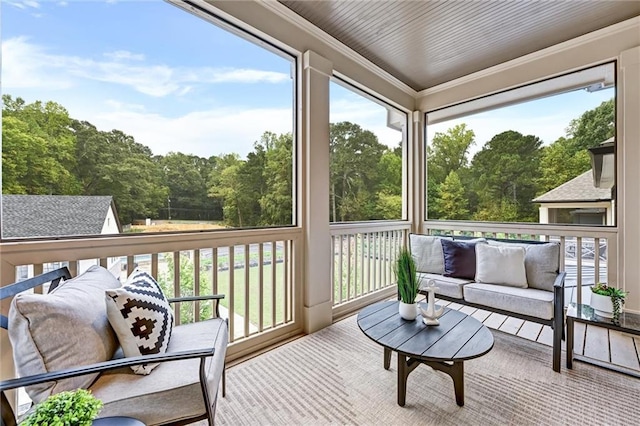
[(428, 42)]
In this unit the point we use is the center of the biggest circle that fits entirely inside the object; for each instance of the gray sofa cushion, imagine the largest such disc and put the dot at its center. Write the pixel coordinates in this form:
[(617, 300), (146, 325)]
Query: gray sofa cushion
[(427, 252), (448, 286), (541, 262), (66, 328), (524, 301), (173, 386)]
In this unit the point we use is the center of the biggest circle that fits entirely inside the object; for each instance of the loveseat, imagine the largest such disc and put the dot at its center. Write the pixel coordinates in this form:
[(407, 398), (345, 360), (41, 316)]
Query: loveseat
[(117, 340), (518, 278)]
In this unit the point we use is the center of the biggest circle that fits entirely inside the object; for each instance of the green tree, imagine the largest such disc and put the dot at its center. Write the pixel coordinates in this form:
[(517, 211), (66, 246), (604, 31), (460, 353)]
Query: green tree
[(277, 201), (37, 148), (186, 178), (507, 168), (354, 157), (112, 163), (449, 152), (187, 288), (389, 188), (560, 163), (593, 127), (224, 182), (452, 200)]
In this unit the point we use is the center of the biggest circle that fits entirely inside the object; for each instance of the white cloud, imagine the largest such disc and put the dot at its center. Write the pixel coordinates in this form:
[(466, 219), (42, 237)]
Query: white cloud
[(203, 133), (24, 4), (23, 66), (368, 115), (120, 55), (28, 65)]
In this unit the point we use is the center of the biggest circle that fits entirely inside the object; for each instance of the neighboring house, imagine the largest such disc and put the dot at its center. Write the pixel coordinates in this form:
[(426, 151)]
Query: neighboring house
[(577, 201), (36, 216)]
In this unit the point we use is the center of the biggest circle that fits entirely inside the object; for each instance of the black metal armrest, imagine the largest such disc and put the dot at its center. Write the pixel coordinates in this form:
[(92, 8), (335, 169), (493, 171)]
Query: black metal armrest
[(196, 298), (101, 367), (216, 297), (559, 282)]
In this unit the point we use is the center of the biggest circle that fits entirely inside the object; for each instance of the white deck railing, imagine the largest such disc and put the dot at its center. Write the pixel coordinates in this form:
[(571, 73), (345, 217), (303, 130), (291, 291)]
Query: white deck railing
[(253, 268), (578, 244), (363, 256)]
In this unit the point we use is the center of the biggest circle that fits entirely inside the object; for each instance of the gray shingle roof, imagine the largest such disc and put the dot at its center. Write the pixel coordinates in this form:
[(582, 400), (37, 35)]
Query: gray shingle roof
[(29, 216), (578, 189)]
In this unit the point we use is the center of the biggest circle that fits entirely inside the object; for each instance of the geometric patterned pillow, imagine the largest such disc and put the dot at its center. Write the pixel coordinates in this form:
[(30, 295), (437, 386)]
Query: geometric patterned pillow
[(141, 317)]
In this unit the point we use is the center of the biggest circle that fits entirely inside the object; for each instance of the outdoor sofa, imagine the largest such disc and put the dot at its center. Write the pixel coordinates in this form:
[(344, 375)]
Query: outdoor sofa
[(517, 278)]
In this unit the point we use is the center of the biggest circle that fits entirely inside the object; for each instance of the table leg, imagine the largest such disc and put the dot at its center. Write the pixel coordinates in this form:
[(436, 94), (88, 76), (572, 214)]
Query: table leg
[(457, 374), (570, 327), (387, 358), (402, 379)]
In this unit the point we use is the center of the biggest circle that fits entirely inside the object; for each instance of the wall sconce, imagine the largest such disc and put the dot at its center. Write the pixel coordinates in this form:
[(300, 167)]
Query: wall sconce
[(603, 164)]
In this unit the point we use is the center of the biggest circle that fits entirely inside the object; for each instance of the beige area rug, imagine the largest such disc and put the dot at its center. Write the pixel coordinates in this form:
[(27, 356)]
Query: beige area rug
[(336, 377)]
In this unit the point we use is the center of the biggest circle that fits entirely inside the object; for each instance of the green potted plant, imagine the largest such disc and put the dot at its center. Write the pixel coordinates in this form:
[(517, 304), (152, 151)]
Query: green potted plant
[(69, 408), (607, 301), (407, 280)]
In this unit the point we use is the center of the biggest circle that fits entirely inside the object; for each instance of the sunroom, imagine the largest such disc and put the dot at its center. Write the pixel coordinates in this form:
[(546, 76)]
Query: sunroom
[(356, 152)]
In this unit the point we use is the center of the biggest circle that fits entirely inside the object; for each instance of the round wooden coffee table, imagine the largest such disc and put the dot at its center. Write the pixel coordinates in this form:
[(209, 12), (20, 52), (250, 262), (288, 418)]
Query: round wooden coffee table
[(444, 347)]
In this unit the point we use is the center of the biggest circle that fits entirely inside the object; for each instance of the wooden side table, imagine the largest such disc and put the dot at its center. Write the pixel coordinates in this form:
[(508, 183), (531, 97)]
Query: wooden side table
[(627, 323)]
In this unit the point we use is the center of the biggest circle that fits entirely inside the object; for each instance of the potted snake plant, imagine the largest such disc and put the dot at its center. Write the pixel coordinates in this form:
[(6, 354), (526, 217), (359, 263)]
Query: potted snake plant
[(407, 280)]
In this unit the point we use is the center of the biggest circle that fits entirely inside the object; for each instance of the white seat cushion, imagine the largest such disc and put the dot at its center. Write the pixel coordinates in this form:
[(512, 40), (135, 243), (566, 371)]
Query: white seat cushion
[(448, 286), (174, 387), (525, 301)]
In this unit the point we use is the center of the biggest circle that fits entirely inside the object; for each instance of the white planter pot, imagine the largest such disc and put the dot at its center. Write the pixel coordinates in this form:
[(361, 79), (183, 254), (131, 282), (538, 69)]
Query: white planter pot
[(408, 311), (602, 305)]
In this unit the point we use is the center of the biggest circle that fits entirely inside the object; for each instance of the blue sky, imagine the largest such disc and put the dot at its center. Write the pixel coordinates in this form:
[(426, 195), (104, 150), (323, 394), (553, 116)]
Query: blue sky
[(171, 80), (178, 83)]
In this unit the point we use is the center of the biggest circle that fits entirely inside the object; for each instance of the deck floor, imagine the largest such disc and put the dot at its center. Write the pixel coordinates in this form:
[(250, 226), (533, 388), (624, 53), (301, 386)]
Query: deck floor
[(599, 343)]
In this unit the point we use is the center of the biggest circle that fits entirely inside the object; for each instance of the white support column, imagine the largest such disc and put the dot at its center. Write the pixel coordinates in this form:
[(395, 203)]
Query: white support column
[(628, 158), (417, 172), (544, 214), (317, 282)]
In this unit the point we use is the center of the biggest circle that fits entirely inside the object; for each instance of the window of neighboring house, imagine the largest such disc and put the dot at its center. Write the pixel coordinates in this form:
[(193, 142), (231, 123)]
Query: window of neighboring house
[(523, 155), (367, 157), (177, 122)]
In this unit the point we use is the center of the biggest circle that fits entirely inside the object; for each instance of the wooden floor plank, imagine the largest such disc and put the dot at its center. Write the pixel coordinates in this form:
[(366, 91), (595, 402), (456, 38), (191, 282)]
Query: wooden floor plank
[(623, 351), (546, 336), (481, 315), (455, 306), (511, 325), (579, 329), (469, 310), (530, 330), (495, 320), (596, 343)]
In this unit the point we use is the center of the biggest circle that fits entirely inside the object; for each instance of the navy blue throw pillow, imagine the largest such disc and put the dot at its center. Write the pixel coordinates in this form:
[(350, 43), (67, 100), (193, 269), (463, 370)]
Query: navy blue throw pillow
[(459, 259)]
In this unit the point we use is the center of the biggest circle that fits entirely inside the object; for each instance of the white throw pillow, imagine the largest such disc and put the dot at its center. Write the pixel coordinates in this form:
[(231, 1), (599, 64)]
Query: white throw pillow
[(427, 252), (141, 317), (500, 265)]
